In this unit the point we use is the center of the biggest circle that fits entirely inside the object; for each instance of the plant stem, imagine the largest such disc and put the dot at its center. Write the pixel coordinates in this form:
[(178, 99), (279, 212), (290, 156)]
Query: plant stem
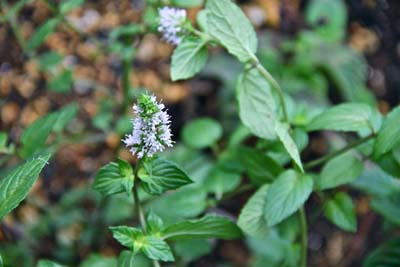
[(304, 237), (126, 69), (264, 72), (334, 154), (138, 207)]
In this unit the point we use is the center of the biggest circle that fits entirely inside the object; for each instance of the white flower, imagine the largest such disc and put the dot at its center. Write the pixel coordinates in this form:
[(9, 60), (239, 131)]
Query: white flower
[(151, 128), (171, 21)]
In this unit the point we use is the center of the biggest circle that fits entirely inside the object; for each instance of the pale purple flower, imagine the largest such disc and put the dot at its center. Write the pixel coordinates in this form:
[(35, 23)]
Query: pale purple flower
[(151, 128), (171, 22)]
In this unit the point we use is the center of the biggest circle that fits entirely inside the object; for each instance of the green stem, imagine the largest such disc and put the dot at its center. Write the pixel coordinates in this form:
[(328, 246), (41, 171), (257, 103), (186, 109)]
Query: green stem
[(138, 207), (304, 237), (126, 69), (334, 154), (275, 85)]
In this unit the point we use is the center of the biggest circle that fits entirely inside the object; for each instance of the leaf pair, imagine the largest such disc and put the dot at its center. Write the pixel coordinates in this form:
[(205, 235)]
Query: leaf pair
[(157, 176), (272, 204), (154, 246)]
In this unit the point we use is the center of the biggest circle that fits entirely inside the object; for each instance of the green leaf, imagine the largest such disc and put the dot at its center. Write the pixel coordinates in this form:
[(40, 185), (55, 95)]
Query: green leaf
[(35, 135), (228, 24), (157, 249), (386, 255), (187, 202), (62, 82), (154, 223), (347, 117), (251, 219), (282, 130), (257, 108), (65, 116), (192, 249), (48, 263), (128, 236), (388, 207), (95, 260), (160, 175), (338, 171), (126, 259), (376, 182), (188, 59), (286, 195), (114, 178), (389, 136), (260, 167), (345, 67), (187, 3), (1, 261), (340, 211), (68, 5), (210, 226), (40, 35), (16, 185), (195, 135), (220, 181), (329, 17)]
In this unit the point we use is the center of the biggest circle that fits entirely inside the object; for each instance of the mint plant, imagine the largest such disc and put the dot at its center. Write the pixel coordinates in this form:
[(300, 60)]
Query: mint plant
[(154, 176), (166, 200)]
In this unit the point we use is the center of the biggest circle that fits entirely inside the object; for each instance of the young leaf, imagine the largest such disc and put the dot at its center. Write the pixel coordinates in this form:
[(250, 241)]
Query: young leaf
[(195, 136), (154, 223), (286, 195), (257, 108), (16, 185), (128, 236), (347, 117), (159, 175), (338, 171), (35, 135), (188, 59), (126, 259), (282, 130), (157, 249), (228, 24), (340, 211), (251, 219), (389, 136), (1, 261), (114, 178), (210, 226), (40, 35), (386, 255)]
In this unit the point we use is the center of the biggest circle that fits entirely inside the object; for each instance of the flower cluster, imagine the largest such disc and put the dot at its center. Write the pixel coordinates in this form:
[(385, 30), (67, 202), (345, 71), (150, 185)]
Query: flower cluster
[(151, 128), (171, 22)]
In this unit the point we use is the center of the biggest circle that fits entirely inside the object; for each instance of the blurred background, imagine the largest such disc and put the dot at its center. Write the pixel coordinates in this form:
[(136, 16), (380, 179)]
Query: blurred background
[(79, 59)]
